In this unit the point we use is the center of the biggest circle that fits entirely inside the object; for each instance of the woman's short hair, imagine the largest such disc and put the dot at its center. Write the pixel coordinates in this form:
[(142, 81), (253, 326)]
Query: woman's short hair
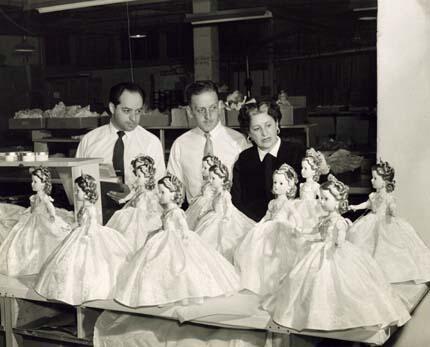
[(174, 185), (252, 108), (44, 175), (88, 185), (386, 171), (339, 190)]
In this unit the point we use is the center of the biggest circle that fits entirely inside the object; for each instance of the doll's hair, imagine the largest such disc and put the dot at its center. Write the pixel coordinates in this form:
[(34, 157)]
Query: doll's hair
[(386, 171), (317, 162), (146, 165), (222, 172), (250, 109), (339, 191), (44, 175), (211, 159), (290, 175), (88, 185), (174, 185)]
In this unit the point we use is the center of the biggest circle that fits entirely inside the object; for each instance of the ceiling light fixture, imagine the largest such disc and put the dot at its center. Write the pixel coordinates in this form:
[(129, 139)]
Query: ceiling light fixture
[(54, 6), (24, 47), (228, 16), (138, 36), (362, 9), (367, 18)]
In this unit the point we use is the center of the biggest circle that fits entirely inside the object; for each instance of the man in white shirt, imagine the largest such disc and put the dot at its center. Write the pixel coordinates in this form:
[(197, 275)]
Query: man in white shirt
[(120, 141), (209, 137)]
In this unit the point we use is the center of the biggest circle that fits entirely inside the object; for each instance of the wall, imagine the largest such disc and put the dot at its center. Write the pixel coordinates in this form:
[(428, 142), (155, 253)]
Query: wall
[(404, 124)]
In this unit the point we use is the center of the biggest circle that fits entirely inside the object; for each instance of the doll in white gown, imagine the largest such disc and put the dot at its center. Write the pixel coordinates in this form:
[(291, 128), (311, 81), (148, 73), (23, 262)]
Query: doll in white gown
[(336, 285), (36, 234), (309, 205), (270, 248), (9, 216), (389, 239), (174, 265), (223, 226), (85, 266), (201, 204), (142, 213)]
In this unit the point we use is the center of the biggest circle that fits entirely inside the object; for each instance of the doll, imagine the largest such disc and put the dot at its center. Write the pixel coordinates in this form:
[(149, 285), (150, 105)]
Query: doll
[(9, 216), (309, 206), (174, 265), (36, 234), (142, 213), (223, 226), (336, 285), (269, 249), (85, 266), (390, 240), (202, 203)]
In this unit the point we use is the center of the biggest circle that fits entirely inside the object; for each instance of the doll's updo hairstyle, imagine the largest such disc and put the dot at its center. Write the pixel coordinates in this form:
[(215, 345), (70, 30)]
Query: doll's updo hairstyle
[(211, 160), (317, 162), (174, 185), (252, 108), (222, 172), (290, 175), (44, 175), (386, 171), (339, 190), (89, 186), (146, 165)]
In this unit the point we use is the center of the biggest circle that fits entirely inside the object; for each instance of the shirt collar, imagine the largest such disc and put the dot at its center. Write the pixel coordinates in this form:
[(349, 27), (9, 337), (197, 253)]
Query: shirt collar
[(113, 130), (274, 151), (213, 132)]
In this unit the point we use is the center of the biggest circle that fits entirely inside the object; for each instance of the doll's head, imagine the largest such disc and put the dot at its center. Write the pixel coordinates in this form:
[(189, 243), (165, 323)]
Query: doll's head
[(170, 189), (41, 179), (88, 186), (219, 176), (144, 165), (285, 181), (207, 162), (334, 195), (314, 165), (383, 170)]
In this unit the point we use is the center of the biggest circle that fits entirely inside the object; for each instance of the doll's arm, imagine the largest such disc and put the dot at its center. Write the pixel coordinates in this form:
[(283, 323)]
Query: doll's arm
[(49, 207), (128, 196), (392, 207), (227, 206), (294, 219), (341, 229), (362, 206)]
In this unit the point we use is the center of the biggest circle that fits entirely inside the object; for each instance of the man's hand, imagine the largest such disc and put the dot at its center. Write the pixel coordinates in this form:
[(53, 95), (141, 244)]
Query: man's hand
[(117, 196)]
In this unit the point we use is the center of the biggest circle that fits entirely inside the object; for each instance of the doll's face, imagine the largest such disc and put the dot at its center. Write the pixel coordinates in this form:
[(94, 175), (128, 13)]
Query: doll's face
[(328, 201), (281, 185), (141, 174), (80, 195), (165, 195), (36, 184), (377, 181), (215, 180), (205, 169), (307, 171)]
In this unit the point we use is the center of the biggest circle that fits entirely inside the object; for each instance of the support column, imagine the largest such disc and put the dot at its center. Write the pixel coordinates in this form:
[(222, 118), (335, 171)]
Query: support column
[(206, 48)]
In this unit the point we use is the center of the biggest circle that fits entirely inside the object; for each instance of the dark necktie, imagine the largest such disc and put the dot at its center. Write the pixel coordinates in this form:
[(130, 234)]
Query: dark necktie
[(118, 155), (208, 150)]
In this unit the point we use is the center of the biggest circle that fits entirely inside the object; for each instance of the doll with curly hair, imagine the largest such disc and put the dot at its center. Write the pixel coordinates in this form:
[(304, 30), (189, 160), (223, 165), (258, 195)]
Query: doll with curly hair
[(203, 202), (142, 212), (174, 265), (336, 285), (308, 205), (86, 264), (36, 234), (269, 249), (223, 226), (391, 240)]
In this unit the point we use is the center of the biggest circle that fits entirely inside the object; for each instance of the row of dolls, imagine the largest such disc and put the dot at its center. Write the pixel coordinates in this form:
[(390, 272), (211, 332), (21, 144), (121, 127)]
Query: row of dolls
[(308, 277)]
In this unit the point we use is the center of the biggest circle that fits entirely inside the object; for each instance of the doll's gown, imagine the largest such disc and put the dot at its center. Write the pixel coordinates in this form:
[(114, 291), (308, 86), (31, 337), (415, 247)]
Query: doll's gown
[(200, 205), (85, 266), (308, 206), (224, 226), (270, 248), (175, 266), (392, 242), (141, 215), (335, 287), (32, 239)]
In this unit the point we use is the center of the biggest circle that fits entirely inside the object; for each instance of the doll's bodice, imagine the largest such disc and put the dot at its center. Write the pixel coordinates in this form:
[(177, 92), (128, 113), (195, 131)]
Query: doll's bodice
[(38, 206), (221, 201), (87, 215), (329, 228), (309, 191), (144, 198), (173, 218), (379, 203), (207, 189), (277, 209)]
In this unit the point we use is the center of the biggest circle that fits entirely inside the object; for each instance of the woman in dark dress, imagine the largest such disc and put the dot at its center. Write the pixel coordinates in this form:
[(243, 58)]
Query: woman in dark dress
[(252, 173)]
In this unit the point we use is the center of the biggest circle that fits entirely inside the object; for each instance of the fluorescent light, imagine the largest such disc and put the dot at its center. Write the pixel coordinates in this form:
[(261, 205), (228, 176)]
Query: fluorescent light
[(367, 18), (24, 47), (137, 36), (362, 9), (228, 16), (77, 4)]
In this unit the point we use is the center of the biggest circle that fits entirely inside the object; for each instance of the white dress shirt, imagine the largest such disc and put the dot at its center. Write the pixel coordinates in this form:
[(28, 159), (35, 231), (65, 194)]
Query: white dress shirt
[(100, 142), (273, 151), (186, 154)]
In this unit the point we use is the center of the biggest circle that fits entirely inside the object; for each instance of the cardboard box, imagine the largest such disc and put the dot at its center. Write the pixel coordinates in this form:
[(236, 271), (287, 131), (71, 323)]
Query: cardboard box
[(72, 123), (293, 115), (155, 119), (297, 101), (27, 123), (231, 118), (179, 117)]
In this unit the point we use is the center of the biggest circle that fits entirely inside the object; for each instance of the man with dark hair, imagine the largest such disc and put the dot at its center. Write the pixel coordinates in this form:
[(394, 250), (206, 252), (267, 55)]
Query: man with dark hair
[(209, 137), (123, 139)]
